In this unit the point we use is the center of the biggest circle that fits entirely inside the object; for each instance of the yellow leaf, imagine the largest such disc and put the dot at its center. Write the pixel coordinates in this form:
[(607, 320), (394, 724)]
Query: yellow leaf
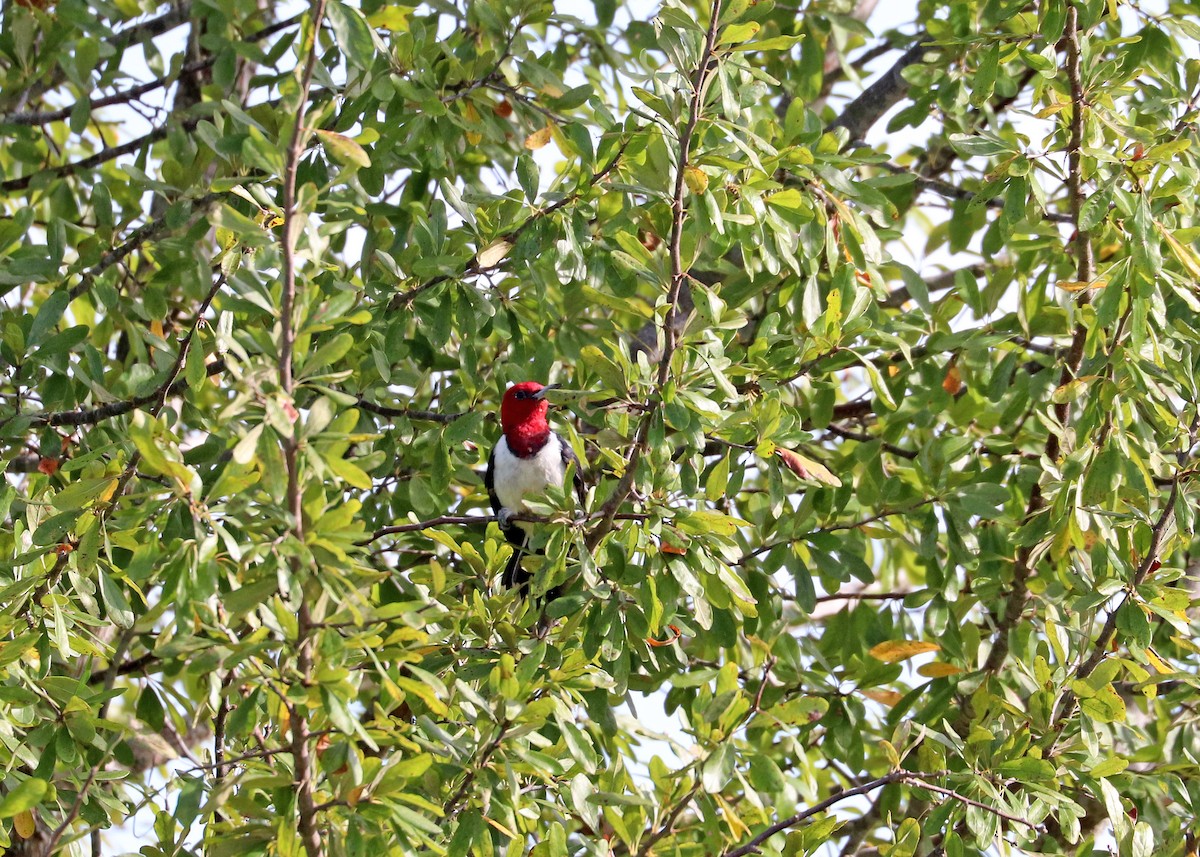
[(500, 827), (23, 824), (106, 494), (695, 179), (493, 254), (390, 17), (939, 669), (538, 139), (894, 651), (156, 328), (1182, 252), (1078, 286), (474, 138), (1160, 666), (887, 697), (736, 826), (269, 219)]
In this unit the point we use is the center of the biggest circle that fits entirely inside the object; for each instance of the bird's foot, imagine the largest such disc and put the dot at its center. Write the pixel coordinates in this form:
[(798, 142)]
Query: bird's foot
[(504, 518)]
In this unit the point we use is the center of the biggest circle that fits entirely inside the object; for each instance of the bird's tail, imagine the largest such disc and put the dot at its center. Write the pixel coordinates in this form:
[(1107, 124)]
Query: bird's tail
[(514, 574)]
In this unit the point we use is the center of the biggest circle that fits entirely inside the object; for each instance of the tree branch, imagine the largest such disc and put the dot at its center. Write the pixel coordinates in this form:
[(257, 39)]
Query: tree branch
[(305, 771), (751, 847), (863, 112), (453, 805), (1018, 597), (952, 191), (410, 413), (106, 154), (961, 798), (134, 92), (704, 69), (92, 416), (139, 236), (484, 520)]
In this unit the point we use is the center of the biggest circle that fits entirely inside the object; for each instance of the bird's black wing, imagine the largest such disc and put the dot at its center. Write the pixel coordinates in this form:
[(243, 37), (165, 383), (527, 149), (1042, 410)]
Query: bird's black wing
[(569, 457), (489, 482)]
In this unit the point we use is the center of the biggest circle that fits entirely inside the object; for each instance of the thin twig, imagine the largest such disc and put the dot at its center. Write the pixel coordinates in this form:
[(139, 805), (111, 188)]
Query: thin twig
[(668, 823), (484, 520), (863, 596), (409, 413), (834, 528), (109, 153), (453, 804), (961, 798), (91, 416), (751, 847)]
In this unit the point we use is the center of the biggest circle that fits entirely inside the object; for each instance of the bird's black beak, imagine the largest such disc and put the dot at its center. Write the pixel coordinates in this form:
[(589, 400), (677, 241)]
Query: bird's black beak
[(541, 394)]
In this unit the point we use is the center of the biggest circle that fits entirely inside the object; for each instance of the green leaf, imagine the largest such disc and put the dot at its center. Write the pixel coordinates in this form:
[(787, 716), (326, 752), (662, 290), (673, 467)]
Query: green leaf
[(1027, 769), (717, 769), (1104, 705), (48, 316), (775, 43), (344, 150), (25, 795), (703, 521), (735, 33)]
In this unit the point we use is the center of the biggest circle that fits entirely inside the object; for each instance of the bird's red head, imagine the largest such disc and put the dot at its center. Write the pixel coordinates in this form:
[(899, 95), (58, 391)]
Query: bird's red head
[(523, 417)]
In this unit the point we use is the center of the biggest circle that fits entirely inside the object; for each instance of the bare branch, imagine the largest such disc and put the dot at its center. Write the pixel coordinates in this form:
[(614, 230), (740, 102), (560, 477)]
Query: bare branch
[(881, 96)]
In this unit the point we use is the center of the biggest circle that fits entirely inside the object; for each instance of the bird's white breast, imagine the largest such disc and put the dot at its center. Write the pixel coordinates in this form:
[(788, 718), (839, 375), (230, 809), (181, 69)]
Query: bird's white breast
[(516, 478)]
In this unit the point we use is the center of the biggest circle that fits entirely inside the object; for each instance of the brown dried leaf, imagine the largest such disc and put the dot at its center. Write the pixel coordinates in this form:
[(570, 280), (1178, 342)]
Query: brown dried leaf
[(952, 383), (806, 468), (887, 697)]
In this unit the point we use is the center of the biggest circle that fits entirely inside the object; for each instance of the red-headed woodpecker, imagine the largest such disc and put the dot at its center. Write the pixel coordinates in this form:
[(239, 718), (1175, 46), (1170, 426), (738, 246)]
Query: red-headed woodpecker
[(529, 458)]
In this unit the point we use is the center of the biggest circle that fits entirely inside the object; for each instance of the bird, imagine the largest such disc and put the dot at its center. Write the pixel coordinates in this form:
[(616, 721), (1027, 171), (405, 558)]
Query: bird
[(528, 458)]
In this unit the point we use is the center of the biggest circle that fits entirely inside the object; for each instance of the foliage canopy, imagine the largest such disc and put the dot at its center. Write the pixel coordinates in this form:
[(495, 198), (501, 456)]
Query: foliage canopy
[(881, 351)]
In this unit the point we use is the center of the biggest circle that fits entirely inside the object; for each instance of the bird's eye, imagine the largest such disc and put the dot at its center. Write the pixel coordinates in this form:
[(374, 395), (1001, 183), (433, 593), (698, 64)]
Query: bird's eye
[(521, 394)]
